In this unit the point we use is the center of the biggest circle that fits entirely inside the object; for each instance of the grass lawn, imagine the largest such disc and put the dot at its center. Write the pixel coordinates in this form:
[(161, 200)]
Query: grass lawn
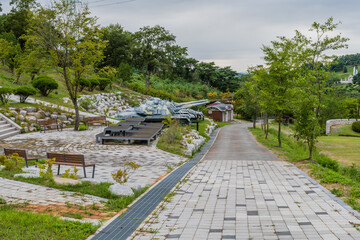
[(344, 131), (344, 149), (16, 224)]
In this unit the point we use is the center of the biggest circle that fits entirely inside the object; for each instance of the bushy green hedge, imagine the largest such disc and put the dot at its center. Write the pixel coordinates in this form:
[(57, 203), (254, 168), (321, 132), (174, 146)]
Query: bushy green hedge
[(45, 84), (103, 83), (24, 92), (5, 93), (94, 82), (356, 126), (84, 83)]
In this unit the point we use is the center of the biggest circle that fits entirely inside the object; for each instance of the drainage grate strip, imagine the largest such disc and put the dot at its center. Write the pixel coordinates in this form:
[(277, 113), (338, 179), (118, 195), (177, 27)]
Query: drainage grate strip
[(123, 226)]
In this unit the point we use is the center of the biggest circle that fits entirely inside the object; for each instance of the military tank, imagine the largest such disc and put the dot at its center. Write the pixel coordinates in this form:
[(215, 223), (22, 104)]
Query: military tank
[(156, 110)]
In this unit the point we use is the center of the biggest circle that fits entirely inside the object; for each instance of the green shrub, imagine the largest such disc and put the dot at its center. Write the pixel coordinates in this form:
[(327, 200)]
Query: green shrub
[(327, 162), (24, 92), (84, 83), (85, 103), (82, 128), (94, 82), (5, 94), (356, 126), (45, 84), (103, 83), (14, 163)]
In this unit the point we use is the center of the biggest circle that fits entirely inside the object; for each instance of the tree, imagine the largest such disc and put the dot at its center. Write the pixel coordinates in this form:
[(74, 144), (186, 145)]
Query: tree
[(119, 48), (345, 69), (150, 50), (19, 18), (45, 84), (72, 41), (278, 87), (314, 79), (5, 94), (24, 92)]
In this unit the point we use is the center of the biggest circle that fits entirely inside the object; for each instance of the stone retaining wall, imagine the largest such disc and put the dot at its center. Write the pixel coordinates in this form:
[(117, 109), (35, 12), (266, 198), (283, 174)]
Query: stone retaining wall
[(333, 122)]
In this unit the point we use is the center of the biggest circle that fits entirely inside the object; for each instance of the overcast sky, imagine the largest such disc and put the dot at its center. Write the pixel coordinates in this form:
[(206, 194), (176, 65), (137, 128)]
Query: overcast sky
[(229, 32)]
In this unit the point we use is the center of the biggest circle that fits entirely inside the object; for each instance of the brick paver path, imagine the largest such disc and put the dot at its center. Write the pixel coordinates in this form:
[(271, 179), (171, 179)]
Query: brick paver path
[(242, 191), (21, 192)]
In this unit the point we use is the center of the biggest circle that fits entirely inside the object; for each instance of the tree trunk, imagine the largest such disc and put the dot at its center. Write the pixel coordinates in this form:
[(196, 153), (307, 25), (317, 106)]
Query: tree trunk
[(311, 148), (254, 121), (262, 121), (77, 118), (266, 125), (279, 132)]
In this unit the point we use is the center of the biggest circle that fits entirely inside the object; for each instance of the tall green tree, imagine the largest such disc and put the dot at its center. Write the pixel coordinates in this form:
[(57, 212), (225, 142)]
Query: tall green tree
[(18, 19), (151, 50), (119, 47), (284, 61), (314, 79), (73, 41)]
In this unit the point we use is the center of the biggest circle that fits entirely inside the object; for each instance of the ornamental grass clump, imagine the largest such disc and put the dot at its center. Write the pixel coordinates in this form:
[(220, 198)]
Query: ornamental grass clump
[(122, 175), (46, 169)]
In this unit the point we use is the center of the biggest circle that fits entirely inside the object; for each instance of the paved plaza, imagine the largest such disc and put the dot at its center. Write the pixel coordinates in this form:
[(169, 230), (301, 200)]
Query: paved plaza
[(108, 158), (242, 191), (20, 192)]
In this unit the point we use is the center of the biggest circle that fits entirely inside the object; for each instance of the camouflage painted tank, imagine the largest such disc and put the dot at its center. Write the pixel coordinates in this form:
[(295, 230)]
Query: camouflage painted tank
[(157, 110)]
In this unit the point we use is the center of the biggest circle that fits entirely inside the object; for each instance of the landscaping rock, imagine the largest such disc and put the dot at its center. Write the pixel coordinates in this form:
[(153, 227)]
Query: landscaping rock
[(14, 112), (63, 117), (47, 114), (31, 118), (21, 118), (54, 116), (27, 175), (23, 112), (31, 109), (121, 190), (69, 181)]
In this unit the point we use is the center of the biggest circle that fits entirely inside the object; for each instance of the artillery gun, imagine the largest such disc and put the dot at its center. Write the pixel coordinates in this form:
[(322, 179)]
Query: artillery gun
[(157, 110)]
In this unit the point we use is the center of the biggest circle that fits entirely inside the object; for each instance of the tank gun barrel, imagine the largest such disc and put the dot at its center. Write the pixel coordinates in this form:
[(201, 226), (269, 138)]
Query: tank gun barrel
[(191, 104)]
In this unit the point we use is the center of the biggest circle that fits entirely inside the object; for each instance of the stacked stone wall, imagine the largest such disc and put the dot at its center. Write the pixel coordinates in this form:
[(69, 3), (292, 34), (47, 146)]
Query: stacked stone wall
[(333, 122)]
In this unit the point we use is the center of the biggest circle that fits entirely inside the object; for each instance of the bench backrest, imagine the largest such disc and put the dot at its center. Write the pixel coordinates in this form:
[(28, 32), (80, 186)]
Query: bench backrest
[(95, 119), (20, 152), (59, 157), (74, 158), (68, 158), (47, 122)]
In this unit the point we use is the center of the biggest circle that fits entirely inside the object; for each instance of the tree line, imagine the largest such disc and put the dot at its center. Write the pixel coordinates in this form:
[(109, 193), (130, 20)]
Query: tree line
[(34, 37), (293, 83)]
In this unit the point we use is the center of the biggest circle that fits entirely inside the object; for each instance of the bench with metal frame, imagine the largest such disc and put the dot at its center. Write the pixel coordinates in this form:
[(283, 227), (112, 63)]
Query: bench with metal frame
[(21, 153), (70, 160), (99, 119), (44, 124)]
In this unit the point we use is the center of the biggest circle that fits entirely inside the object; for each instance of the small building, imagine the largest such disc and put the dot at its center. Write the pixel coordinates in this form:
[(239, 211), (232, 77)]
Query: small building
[(220, 112)]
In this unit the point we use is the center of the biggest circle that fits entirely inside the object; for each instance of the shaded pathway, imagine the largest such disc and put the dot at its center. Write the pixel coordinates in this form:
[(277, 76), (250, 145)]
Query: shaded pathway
[(242, 191)]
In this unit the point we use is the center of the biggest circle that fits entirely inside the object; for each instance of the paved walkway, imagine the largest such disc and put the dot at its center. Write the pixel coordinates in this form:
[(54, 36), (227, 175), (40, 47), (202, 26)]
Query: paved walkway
[(242, 191), (20, 192)]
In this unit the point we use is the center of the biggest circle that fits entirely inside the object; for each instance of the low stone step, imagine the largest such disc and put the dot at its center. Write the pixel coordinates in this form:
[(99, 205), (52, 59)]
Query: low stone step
[(5, 126), (7, 130), (9, 134)]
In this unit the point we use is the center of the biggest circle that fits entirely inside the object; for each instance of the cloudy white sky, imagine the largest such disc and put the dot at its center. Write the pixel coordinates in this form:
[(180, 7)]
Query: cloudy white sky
[(228, 32)]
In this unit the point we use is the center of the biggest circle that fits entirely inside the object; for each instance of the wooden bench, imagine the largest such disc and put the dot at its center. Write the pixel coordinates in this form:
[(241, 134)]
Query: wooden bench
[(44, 124), (70, 160), (21, 153), (100, 119)]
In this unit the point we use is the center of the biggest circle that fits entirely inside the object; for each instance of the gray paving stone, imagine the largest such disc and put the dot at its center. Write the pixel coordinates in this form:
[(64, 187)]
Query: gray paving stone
[(244, 207)]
